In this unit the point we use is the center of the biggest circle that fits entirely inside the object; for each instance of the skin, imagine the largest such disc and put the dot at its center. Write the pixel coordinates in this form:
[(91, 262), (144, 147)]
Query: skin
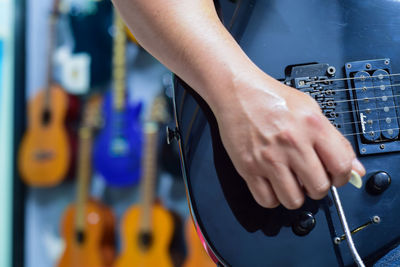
[(277, 137)]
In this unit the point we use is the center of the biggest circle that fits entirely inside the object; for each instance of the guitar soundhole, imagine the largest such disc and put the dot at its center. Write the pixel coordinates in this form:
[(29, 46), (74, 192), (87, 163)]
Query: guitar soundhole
[(80, 237), (145, 240), (46, 117)]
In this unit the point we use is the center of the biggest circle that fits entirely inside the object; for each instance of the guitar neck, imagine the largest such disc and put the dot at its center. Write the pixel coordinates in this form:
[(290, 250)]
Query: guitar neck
[(149, 170), (119, 71), (84, 173), (51, 40)]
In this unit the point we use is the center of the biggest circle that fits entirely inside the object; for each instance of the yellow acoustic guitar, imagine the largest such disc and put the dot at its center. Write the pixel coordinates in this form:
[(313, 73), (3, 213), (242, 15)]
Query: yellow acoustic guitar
[(197, 255), (44, 153), (87, 226), (147, 229)]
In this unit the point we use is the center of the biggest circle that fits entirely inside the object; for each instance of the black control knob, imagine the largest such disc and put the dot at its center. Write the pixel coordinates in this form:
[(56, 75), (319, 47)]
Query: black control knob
[(378, 183), (304, 224)]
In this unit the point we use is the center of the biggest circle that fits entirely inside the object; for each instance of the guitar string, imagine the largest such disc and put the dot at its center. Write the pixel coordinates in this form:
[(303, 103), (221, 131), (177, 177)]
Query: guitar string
[(357, 99), (360, 88), (367, 109), (375, 120), (358, 122), (366, 98), (360, 133), (353, 78), (355, 122)]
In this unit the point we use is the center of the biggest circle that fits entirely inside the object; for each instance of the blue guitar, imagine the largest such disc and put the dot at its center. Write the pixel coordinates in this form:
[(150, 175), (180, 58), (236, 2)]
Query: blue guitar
[(117, 149), (345, 54)]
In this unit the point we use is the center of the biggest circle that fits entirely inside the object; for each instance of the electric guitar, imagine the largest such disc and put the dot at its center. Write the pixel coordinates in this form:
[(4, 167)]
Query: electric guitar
[(117, 149), (87, 225), (46, 154), (346, 55), (147, 228)]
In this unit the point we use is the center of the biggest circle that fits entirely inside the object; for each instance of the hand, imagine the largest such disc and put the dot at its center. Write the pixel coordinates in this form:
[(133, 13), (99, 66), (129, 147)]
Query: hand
[(280, 142)]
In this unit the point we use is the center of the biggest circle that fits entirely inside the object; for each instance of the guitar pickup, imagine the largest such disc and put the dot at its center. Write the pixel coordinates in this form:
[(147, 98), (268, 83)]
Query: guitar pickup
[(373, 102)]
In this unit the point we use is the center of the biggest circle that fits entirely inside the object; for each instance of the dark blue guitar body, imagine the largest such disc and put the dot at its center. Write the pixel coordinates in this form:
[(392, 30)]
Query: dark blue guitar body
[(117, 149), (286, 39)]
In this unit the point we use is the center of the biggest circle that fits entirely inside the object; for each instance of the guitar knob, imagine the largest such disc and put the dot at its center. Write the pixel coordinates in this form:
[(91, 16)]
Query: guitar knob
[(172, 134), (304, 224), (378, 183)]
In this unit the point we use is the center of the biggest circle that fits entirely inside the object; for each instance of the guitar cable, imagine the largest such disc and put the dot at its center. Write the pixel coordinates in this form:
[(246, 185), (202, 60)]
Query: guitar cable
[(346, 229)]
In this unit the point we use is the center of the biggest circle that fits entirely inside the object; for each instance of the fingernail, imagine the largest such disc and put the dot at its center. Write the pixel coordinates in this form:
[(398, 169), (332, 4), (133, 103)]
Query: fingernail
[(357, 165)]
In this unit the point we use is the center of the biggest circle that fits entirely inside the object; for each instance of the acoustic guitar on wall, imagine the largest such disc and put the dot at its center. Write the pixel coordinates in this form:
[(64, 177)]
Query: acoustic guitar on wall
[(147, 228), (45, 154), (197, 255), (87, 225)]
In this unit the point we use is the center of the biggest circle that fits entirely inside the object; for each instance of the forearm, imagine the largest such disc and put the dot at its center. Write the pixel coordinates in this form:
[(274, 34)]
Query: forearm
[(188, 38)]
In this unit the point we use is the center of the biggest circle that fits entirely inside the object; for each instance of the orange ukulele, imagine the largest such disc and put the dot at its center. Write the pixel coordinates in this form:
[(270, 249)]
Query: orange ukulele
[(87, 226), (44, 154), (197, 256), (147, 229)]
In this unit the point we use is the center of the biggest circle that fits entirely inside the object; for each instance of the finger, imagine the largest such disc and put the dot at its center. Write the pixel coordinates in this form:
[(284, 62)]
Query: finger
[(337, 155), (310, 172), (358, 167), (262, 192), (285, 186)]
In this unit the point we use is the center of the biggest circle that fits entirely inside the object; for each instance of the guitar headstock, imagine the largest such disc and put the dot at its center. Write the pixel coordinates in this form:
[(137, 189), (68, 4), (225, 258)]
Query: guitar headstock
[(91, 118), (159, 112), (55, 9)]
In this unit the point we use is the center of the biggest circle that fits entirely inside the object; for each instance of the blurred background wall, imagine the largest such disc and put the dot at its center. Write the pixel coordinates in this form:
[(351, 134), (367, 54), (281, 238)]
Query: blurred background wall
[(31, 216), (45, 206)]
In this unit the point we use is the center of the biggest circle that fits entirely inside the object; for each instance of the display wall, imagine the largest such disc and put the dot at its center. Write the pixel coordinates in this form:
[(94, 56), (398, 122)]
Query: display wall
[(146, 78)]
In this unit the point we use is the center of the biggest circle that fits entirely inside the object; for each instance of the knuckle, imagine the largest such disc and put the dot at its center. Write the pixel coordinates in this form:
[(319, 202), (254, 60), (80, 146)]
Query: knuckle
[(246, 165), (294, 202), (268, 156), (314, 120), (263, 198), (287, 137), (319, 191), (267, 202)]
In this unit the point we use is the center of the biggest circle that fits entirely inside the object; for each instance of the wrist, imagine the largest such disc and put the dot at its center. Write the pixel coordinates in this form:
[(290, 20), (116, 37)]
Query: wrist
[(227, 91)]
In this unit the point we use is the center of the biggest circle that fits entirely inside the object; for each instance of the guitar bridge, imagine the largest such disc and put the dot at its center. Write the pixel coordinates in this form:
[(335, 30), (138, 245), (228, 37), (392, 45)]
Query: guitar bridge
[(315, 80)]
